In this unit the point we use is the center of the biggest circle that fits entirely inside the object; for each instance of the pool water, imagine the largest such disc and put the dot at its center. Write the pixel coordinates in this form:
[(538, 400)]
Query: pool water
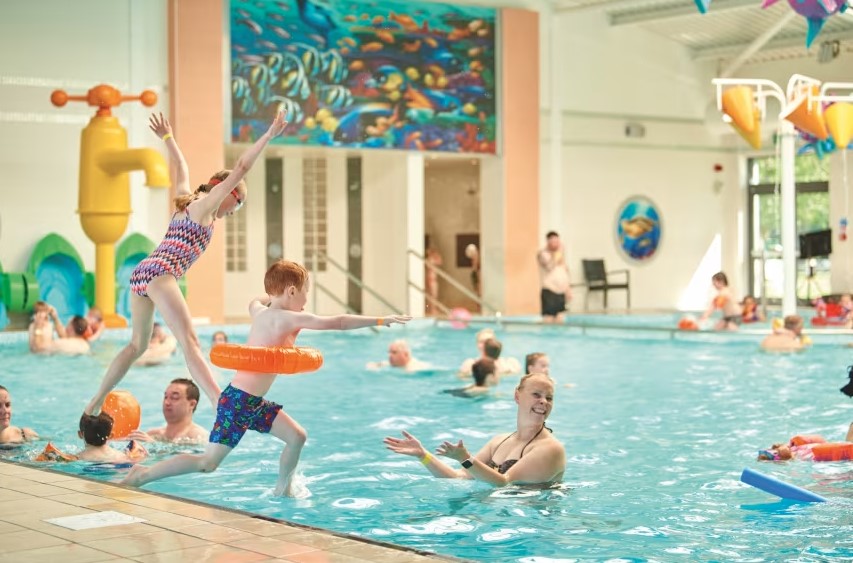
[(657, 432)]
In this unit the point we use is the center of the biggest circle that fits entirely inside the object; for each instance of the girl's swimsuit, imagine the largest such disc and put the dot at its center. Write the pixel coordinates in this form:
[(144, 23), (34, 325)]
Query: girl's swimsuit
[(504, 467), (184, 242)]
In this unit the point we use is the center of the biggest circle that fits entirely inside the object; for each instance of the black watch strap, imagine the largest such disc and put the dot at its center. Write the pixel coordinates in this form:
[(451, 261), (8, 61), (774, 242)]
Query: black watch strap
[(467, 463)]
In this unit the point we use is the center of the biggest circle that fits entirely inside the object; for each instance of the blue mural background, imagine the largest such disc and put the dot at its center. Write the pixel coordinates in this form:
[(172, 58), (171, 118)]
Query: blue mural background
[(638, 228), (379, 74)]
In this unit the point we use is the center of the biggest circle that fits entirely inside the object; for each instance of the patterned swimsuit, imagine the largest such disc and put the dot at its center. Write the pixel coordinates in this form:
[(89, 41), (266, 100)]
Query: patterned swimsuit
[(184, 242)]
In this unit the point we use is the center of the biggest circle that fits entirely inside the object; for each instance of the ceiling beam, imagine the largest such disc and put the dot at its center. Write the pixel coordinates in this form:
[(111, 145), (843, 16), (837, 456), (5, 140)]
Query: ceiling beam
[(726, 51), (638, 16)]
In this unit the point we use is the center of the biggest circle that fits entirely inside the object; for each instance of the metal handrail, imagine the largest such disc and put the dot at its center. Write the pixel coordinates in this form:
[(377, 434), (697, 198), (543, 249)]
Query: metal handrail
[(464, 290), (432, 300), (339, 301), (359, 283)]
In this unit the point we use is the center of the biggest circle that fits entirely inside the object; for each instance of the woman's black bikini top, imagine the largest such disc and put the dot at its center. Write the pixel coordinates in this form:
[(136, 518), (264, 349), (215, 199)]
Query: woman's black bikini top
[(504, 467)]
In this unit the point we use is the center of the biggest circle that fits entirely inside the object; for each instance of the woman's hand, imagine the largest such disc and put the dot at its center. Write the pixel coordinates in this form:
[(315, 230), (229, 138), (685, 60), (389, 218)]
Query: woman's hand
[(278, 125), (409, 445), (159, 124), (456, 451)]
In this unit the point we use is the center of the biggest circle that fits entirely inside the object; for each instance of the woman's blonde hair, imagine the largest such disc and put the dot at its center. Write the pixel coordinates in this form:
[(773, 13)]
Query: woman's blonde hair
[(524, 379), (182, 201)]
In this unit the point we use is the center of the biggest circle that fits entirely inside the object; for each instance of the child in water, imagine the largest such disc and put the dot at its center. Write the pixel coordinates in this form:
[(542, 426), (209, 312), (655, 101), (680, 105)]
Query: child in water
[(724, 301)]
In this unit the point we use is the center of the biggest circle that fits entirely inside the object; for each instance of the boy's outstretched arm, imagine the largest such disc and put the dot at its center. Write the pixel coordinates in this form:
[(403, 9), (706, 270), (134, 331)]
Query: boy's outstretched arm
[(346, 322)]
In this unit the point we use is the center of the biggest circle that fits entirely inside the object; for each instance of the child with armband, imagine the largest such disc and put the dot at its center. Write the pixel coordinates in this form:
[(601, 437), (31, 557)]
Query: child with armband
[(277, 319)]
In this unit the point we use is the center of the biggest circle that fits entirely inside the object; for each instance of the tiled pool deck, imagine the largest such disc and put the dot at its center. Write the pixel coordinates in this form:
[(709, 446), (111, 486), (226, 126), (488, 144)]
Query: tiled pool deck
[(175, 530)]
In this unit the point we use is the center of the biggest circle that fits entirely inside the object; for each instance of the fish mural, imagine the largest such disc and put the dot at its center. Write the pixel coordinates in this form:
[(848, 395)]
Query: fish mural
[(638, 228), (379, 74)]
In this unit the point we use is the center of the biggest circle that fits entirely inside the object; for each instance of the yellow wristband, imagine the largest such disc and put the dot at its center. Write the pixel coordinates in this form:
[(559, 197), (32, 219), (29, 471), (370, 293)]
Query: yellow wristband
[(167, 136), (379, 323), (426, 459)]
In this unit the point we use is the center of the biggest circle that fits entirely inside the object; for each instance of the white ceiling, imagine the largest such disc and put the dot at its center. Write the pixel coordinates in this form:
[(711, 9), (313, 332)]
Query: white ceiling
[(727, 30)]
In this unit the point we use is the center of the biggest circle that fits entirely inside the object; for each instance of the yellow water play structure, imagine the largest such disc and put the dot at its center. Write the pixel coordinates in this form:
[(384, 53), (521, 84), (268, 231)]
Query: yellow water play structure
[(104, 190)]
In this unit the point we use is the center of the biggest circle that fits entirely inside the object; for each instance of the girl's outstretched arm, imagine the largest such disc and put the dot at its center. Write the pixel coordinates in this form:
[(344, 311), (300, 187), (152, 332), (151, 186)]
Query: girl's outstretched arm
[(220, 191), (163, 129)]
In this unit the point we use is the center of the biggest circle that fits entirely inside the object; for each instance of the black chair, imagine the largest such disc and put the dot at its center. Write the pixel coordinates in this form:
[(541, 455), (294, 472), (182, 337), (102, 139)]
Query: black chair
[(596, 277)]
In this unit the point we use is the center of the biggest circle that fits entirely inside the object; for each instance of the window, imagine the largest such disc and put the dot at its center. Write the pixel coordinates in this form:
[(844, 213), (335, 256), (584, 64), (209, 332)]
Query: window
[(314, 214), (235, 242), (811, 175)]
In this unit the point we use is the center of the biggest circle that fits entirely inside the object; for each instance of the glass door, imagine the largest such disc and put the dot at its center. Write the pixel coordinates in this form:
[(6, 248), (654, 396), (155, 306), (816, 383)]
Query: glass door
[(765, 236)]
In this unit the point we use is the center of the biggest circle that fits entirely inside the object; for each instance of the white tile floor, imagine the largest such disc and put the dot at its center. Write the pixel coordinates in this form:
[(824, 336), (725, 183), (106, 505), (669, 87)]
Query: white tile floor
[(174, 530)]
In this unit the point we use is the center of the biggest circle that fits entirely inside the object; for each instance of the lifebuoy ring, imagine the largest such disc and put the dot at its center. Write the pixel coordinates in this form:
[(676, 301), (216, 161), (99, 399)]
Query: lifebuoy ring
[(840, 451), (829, 321), (261, 359)]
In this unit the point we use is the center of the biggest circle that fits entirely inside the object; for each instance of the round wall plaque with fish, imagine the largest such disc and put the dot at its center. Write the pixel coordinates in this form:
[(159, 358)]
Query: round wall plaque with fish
[(638, 228)]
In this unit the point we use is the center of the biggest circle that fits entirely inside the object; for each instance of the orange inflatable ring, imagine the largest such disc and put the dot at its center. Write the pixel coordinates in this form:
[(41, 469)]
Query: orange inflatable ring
[(688, 323), (124, 408), (262, 359)]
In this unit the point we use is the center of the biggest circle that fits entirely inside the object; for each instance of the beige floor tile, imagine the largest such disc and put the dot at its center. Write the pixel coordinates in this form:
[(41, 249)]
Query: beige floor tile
[(23, 540), (323, 557), (41, 506), (83, 536), (316, 540), (215, 533), (379, 554), (35, 488), (83, 486), (273, 547), (171, 521), (206, 554), (68, 553), (9, 494), (76, 498), (160, 503), (6, 527), (206, 513), (260, 527), (124, 507), (143, 544)]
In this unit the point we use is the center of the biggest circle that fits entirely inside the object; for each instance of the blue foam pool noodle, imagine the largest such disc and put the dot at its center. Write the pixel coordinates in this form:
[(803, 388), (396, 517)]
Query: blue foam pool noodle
[(779, 488)]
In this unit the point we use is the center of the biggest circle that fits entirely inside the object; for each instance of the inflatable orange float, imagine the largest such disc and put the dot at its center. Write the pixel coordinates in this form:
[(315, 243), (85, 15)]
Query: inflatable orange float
[(688, 323), (52, 453), (124, 408), (262, 359)]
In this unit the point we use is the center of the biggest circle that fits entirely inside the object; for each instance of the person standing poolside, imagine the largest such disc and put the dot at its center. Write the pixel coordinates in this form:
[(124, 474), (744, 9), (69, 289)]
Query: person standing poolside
[(154, 281), (530, 454), (554, 278), (277, 319), (179, 403), (11, 434)]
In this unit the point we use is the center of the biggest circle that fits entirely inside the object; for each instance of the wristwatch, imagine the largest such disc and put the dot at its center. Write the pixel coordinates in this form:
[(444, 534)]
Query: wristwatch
[(467, 463)]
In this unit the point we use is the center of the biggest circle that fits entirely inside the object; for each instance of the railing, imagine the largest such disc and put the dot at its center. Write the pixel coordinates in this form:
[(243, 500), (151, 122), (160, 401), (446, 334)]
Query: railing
[(320, 287), (461, 288), (359, 283)]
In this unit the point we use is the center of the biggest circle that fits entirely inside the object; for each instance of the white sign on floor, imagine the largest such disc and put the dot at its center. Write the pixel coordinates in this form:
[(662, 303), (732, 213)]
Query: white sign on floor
[(95, 520)]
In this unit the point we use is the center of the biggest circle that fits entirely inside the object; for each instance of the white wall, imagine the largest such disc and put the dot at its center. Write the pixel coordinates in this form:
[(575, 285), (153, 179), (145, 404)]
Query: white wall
[(608, 78), (54, 44)]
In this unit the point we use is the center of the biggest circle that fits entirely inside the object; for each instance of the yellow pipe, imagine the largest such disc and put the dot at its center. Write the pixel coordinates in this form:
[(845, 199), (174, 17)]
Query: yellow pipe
[(104, 197), (149, 160)]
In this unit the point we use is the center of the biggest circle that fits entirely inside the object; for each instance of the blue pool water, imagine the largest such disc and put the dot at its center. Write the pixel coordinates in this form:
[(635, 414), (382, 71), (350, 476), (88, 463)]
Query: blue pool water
[(657, 432)]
